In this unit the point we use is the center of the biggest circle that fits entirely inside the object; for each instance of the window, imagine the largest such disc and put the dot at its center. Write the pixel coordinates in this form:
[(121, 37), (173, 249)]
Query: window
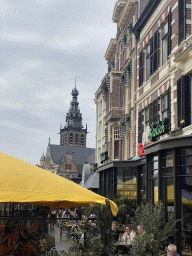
[(153, 180), (140, 127), (76, 140), (71, 138), (82, 139), (146, 117), (141, 68), (116, 141), (164, 106), (181, 25), (166, 39), (153, 111), (65, 136), (68, 166), (164, 43), (184, 100), (152, 55), (148, 69)]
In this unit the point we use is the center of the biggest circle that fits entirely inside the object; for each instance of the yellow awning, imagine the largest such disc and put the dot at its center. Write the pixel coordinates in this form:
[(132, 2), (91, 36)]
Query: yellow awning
[(24, 183)]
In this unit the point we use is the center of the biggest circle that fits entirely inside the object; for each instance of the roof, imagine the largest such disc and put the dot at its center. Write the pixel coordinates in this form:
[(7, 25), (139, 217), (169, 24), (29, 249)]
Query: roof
[(92, 181), (79, 154), (91, 158)]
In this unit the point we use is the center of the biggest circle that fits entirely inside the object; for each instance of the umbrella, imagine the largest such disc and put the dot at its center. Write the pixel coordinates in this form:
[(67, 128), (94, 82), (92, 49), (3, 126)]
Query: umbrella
[(24, 183)]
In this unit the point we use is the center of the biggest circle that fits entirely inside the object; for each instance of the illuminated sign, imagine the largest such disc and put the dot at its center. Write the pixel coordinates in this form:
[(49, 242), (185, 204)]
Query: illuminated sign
[(159, 128)]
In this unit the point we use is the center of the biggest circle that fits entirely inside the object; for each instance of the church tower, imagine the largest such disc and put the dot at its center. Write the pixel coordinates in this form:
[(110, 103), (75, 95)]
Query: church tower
[(73, 133)]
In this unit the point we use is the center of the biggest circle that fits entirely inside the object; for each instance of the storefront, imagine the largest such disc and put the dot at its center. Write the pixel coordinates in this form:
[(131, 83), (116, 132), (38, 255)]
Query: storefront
[(169, 179), (124, 179)]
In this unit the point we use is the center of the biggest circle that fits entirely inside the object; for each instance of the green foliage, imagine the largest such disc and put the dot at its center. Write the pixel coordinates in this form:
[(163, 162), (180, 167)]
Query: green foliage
[(156, 230)]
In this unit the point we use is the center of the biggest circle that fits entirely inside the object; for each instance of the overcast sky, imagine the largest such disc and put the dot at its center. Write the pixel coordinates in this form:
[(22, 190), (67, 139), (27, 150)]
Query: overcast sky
[(44, 45)]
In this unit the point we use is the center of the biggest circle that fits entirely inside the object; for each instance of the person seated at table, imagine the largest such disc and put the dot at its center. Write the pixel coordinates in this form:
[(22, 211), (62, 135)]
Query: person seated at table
[(140, 230), (171, 251), (114, 231), (128, 236)]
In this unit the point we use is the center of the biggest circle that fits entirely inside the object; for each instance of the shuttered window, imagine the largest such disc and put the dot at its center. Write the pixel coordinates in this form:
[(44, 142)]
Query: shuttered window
[(141, 67), (181, 18), (184, 100), (169, 32), (154, 42), (140, 127)]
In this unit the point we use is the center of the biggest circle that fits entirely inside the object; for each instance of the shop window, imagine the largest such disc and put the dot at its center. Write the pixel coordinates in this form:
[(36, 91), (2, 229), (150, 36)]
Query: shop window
[(167, 183), (116, 141), (127, 183), (82, 139), (141, 67), (181, 25), (143, 184), (183, 101), (184, 163), (153, 180), (71, 138)]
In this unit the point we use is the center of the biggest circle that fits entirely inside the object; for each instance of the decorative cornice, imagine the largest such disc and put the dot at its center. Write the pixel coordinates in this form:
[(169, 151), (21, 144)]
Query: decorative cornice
[(125, 13), (117, 10), (110, 48)]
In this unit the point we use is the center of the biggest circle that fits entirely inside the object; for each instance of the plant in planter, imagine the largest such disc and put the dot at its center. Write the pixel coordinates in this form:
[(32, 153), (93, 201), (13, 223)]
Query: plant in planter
[(156, 233)]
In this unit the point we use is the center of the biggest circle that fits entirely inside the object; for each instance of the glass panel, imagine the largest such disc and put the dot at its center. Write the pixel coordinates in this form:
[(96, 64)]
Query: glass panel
[(167, 163), (169, 196), (156, 192), (164, 29), (147, 115), (154, 167), (186, 194), (143, 185), (127, 183), (164, 102), (164, 50)]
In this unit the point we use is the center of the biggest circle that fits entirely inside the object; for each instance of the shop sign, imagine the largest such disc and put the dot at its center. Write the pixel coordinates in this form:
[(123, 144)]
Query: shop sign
[(159, 128), (140, 150)]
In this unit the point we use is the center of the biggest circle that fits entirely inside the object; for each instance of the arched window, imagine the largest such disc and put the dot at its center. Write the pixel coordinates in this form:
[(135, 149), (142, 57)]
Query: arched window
[(71, 138), (82, 139), (77, 138), (65, 136)]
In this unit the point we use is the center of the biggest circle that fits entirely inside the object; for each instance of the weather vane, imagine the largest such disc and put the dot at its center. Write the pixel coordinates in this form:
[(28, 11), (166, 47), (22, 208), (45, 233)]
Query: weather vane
[(75, 80)]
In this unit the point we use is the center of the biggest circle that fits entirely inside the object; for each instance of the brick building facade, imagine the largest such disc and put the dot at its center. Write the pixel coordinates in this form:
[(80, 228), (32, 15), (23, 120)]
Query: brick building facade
[(146, 153)]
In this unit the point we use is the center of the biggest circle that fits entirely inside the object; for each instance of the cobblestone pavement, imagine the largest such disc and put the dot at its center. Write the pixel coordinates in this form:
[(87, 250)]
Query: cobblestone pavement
[(61, 242)]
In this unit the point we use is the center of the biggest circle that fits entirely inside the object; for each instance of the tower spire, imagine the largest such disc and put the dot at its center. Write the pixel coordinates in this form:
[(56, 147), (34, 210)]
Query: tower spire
[(75, 81)]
